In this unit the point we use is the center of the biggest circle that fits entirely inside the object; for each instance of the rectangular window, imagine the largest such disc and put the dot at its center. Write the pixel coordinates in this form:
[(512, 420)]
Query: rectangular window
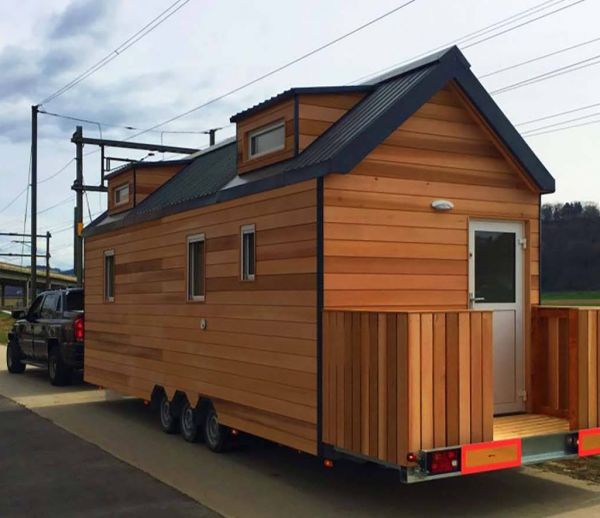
[(266, 140), (109, 276), (248, 253), (121, 194), (196, 263)]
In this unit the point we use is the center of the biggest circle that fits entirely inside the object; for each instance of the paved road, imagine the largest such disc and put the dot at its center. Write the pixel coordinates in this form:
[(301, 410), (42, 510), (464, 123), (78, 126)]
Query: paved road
[(274, 481), (46, 471)]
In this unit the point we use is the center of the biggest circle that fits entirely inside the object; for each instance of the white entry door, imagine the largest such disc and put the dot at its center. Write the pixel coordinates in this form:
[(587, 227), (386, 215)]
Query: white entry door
[(496, 284)]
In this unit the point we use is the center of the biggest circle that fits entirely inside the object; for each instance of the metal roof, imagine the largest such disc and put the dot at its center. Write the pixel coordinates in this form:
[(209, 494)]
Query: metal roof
[(395, 96)]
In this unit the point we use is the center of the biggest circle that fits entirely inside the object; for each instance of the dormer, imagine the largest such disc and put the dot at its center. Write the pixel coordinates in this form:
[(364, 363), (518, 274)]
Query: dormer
[(283, 126), (131, 184)]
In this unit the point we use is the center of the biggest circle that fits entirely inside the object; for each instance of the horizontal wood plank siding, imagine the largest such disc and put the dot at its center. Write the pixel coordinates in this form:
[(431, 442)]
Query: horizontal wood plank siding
[(147, 180), (257, 357), (395, 383), (318, 112), (384, 244)]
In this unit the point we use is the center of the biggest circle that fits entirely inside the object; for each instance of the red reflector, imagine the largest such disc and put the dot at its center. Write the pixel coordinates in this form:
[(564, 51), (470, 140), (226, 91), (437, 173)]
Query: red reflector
[(445, 461), (78, 329), (411, 457), (328, 463)]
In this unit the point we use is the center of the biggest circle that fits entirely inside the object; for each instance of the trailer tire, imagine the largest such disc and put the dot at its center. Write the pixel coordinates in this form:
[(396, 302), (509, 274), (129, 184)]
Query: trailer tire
[(215, 434), (14, 362), (188, 423), (168, 422)]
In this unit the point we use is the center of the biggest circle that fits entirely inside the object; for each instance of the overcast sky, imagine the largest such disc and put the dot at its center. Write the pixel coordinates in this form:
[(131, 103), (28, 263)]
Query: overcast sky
[(209, 47)]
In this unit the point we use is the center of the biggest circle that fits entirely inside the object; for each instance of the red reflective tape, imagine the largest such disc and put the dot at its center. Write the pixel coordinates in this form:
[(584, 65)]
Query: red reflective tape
[(589, 442), (490, 456)]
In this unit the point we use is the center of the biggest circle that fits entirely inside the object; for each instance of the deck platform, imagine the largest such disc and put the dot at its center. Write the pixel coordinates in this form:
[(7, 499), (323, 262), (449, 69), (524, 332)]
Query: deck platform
[(527, 425)]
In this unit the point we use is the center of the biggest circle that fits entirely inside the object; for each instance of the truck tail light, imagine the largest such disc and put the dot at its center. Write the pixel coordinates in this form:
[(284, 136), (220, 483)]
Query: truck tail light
[(444, 461), (78, 329)]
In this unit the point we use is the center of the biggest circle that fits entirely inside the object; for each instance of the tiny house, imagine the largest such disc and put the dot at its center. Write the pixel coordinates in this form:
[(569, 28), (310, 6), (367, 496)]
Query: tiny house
[(355, 274)]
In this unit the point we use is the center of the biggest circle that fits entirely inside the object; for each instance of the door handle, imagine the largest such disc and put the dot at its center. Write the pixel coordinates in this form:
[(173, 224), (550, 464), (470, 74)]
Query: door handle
[(473, 299)]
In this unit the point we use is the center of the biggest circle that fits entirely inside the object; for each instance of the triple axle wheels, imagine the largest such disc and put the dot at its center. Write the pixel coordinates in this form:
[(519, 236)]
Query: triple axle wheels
[(194, 424)]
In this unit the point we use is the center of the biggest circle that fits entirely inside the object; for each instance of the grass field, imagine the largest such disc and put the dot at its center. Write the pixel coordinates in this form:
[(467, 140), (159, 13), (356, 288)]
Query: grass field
[(572, 298), (6, 323)]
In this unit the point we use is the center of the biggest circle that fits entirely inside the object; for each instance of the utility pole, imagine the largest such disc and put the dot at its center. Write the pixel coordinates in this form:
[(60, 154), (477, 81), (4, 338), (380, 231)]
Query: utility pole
[(211, 136), (48, 236), (78, 186), (34, 114)]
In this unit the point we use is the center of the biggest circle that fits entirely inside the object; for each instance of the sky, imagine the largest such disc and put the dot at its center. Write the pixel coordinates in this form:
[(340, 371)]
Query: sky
[(208, 48)]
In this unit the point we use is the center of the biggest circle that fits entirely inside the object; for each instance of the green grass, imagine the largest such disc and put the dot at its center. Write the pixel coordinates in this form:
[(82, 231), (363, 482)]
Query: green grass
[(6, 322), (572, 298)]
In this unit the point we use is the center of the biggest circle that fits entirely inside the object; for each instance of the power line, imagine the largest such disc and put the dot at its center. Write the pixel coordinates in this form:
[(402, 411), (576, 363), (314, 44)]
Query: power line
[(584, 63), (560, 123), (523, 24), (555, 130), (566, 112), (467, 37), (276, 70), (533, 60), (54, 175), (15, 199), (26, 203), (132, 40)]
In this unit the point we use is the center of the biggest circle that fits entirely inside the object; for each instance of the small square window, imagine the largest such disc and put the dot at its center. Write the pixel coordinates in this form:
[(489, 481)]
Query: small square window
[(109, 276), (248, 253), (196, 270), (121, 194), (266, 140)]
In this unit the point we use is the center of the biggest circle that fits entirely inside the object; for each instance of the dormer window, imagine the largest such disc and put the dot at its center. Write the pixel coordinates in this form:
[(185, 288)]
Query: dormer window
[(121, 194), (266, 139)]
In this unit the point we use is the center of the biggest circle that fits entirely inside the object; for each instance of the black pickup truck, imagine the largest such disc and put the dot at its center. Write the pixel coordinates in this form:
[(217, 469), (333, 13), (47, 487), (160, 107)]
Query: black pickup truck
[(49, 334)]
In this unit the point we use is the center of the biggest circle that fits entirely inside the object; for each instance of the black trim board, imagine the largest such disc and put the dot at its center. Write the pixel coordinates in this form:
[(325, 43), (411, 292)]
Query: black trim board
[(320, 305)]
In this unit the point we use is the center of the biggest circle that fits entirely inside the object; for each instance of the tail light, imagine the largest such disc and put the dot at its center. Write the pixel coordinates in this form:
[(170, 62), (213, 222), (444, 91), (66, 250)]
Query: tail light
[(78, 329), (444, 461)]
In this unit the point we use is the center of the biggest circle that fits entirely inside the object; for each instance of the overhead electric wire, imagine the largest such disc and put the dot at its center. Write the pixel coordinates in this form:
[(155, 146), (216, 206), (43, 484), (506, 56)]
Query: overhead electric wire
[(554, 115), (566, 69), (10, 204), (467, 37), (560, 123), (54, 175), (132, 40), (533, 60), (524, 24), (26, 202), (276, 70), (555, 130)]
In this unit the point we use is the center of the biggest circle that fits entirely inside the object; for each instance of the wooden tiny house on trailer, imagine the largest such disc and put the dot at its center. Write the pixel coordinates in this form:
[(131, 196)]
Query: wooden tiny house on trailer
[(356, 273)]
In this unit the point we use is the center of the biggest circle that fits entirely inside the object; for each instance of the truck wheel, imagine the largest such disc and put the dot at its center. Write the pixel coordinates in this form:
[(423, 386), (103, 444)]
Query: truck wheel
[(14, 364), (215, 434), (168, 422), (58, 372), (188, 423)]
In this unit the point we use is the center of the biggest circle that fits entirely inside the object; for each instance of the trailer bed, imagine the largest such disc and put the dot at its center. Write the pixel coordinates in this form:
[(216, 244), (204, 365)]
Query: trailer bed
[(527, 425)]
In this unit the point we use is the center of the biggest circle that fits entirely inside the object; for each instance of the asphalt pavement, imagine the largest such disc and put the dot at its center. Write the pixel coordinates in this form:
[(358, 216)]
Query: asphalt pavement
[(47, 471)]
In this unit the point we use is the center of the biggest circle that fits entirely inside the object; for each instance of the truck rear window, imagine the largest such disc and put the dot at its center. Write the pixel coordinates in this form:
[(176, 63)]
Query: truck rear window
[(74, 301)]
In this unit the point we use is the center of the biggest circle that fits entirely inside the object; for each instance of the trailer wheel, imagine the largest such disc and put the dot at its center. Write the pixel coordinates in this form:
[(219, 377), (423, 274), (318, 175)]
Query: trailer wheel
[(168, 422), (215, 434), (188, 423)]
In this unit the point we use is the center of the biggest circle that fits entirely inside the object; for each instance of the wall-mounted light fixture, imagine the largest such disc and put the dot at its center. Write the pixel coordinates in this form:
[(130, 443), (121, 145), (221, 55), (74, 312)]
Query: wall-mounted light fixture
[(442, 205)]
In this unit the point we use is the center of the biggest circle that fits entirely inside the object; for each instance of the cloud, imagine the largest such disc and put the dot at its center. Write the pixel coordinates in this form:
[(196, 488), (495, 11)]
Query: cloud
[(81, 17)]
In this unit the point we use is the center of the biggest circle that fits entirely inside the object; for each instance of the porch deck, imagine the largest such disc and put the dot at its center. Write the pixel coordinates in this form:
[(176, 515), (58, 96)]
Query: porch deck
[(527, 425)]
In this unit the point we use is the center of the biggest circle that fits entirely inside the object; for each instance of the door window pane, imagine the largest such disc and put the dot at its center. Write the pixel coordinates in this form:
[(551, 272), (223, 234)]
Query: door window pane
[(495, 262)]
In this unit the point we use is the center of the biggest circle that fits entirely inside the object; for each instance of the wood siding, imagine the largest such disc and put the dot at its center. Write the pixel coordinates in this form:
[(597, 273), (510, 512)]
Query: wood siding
[(126, 177), (257, 357), (566, 364), (142, 182), (317, 112), (147, 180), (384, 244), (283, 111), (395, 383)]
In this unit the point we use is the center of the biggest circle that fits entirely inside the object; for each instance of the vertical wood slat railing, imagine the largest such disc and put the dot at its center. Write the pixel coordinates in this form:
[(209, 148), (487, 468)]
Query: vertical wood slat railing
[(565, 364), (395, 383)]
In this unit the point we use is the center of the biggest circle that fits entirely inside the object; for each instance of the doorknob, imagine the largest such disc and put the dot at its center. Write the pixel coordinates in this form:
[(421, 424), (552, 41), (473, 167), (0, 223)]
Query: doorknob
[(473, 299)]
